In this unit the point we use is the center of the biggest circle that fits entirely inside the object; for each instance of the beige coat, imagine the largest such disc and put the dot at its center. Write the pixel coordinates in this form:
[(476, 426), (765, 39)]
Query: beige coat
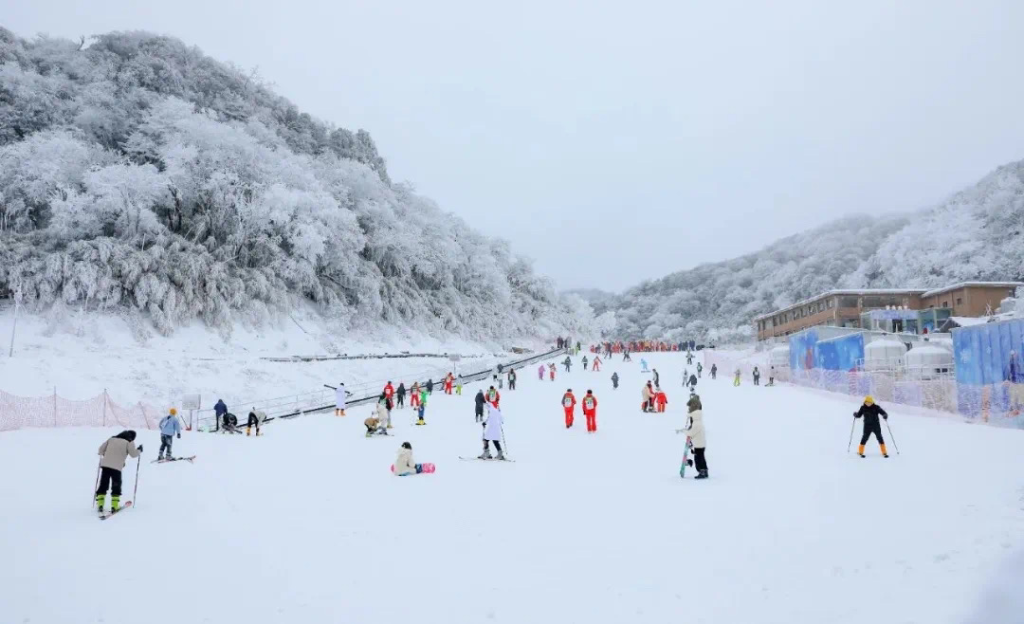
[(646, 393), (696, 431), (404, 463), (115, 452)]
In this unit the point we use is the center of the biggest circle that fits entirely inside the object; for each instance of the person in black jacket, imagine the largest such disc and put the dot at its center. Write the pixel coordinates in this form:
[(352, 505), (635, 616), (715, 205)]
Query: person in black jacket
[(400, 394), (870, 411), (480, 400)]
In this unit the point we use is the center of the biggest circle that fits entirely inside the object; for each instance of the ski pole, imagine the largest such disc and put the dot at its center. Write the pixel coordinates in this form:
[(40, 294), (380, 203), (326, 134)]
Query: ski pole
[(891, 437), (98, 470), (135, 492), (503, 438), (849, 444)]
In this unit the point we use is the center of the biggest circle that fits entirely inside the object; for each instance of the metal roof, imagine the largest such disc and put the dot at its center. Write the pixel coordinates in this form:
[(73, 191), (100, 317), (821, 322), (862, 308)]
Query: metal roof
[(945, 289), (832, 293)]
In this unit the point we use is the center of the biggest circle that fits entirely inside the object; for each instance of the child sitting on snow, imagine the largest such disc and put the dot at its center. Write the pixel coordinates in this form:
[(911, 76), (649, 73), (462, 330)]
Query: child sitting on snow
[(404, 464), (374, 427)]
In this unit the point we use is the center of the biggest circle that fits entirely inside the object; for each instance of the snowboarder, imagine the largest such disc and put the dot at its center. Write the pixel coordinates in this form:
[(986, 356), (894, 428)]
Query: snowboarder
[(492, 432), (698, 438), (643, 365), (714, 371), (340, 399), (736, 378), (400, 395), (647, 393), (597, 364), (493, 396), (512, 379), (590, 411), (220, 409), (700, 369), (585, 362), (414, 394), (374, 427), (871, 411), (169, 427), (615, 381), (114, 452), (657, 378), (757, 377), (480, 399), (404, 463), (256, 418), (569, 403), (660, 398)]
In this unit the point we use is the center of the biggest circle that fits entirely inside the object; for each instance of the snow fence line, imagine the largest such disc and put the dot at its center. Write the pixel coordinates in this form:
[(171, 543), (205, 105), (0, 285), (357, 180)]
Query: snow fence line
[(365, 393), (996, 404), (55, 411), (371, 356)]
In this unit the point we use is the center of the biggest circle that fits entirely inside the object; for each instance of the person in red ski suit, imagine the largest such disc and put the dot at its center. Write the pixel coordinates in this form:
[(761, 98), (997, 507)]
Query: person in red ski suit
[(448, 383), (389, 391), (551, 369), (569, 403), (590, 411), (493, 396), (597, 364), (414, 399), (661, 399)]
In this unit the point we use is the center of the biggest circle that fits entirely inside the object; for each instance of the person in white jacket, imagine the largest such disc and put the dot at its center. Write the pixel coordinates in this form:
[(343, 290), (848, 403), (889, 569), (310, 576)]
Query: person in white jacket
[(698, 439), (492, 432), (404, 463), (340, 399)]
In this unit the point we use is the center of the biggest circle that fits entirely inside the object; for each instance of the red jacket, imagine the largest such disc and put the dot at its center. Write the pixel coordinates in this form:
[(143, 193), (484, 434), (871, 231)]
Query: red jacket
[(660, 398), (389, 390), (494, 398), (589, 404), (570, 396)]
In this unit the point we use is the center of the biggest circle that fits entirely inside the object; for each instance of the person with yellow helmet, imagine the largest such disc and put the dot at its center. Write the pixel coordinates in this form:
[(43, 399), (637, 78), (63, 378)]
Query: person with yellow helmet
[(870, 411), (169, 426)]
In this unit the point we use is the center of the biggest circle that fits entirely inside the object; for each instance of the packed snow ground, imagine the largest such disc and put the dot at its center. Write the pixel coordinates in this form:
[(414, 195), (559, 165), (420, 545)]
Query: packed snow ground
[(307, 524)]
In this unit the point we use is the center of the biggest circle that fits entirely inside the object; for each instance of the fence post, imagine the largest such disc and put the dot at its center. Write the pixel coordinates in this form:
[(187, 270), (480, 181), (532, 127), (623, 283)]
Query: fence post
[(55, 406), (104, 407)]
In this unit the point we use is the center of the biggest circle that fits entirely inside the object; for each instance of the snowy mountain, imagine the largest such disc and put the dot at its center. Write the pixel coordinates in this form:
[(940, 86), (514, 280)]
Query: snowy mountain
[(138, 174), (978, 234)]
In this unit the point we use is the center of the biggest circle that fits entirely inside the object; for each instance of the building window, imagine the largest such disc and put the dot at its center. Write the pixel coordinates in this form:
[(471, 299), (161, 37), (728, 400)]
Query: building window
[(945, 304), (959, 300)]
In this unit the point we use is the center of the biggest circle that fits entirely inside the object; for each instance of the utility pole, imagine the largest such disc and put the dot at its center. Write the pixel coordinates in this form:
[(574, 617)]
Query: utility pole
[(14, 327)]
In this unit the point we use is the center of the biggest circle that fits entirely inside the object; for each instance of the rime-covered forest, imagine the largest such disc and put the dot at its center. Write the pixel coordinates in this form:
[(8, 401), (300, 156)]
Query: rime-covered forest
[(139, 175)]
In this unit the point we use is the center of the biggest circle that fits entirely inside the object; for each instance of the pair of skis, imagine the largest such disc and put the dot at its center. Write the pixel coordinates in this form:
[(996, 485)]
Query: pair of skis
[(104, 516), (493, 459), (174, 459)]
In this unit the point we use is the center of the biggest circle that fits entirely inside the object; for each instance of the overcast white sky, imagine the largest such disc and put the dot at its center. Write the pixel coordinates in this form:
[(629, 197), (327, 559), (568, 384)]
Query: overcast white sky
[(618, 141)]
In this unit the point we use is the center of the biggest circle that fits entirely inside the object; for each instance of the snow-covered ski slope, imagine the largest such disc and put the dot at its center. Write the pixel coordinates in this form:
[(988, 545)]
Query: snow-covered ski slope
[(307, 524)]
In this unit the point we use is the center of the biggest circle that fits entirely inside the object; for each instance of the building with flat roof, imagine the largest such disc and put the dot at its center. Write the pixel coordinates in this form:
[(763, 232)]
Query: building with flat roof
[(847, 308)]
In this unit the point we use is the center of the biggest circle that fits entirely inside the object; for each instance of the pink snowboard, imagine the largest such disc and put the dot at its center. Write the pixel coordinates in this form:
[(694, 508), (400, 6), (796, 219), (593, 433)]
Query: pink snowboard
[(427, 468)]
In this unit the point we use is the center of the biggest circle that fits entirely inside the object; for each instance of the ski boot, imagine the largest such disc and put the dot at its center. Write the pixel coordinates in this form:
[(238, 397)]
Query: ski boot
[(860, 451), (101, 502), (501, 456), (115, 503), (485, 455), (884, 453), (702, 474)]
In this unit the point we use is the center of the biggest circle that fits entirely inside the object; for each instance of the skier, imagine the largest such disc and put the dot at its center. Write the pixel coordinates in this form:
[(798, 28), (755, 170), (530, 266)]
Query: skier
[(169, 426), (693, 381), (512, 379), (256, 418), (383, 413), (697, 436), (430, 386), (736, 379), (449, 383), (590, 411), (404, 463), (569, 403), (657, 378), (340, 398), (480, 400), (493, 396), (757, 377), (660, 398), (585, 362), (625, 356), (615, 381), (871, 411), (458, 385), (689, 359), (567, 363), (647, 394), (597, 364), (414, 396), (540, 372), (114, 453), (220, 409), (643, 365), (700, 369), (389, 391), (771, 375), (551, 370), (400, 395), (714, 371), (492, 432)]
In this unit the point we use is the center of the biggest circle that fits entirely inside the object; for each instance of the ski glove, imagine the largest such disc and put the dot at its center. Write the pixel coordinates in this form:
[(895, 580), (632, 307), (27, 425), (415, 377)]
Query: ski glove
[(140, 448)]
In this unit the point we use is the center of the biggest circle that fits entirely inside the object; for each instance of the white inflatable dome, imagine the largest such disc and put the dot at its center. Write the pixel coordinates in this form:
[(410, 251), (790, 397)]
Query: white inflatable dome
[(779, 356), (885, 354), (928, 361)]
